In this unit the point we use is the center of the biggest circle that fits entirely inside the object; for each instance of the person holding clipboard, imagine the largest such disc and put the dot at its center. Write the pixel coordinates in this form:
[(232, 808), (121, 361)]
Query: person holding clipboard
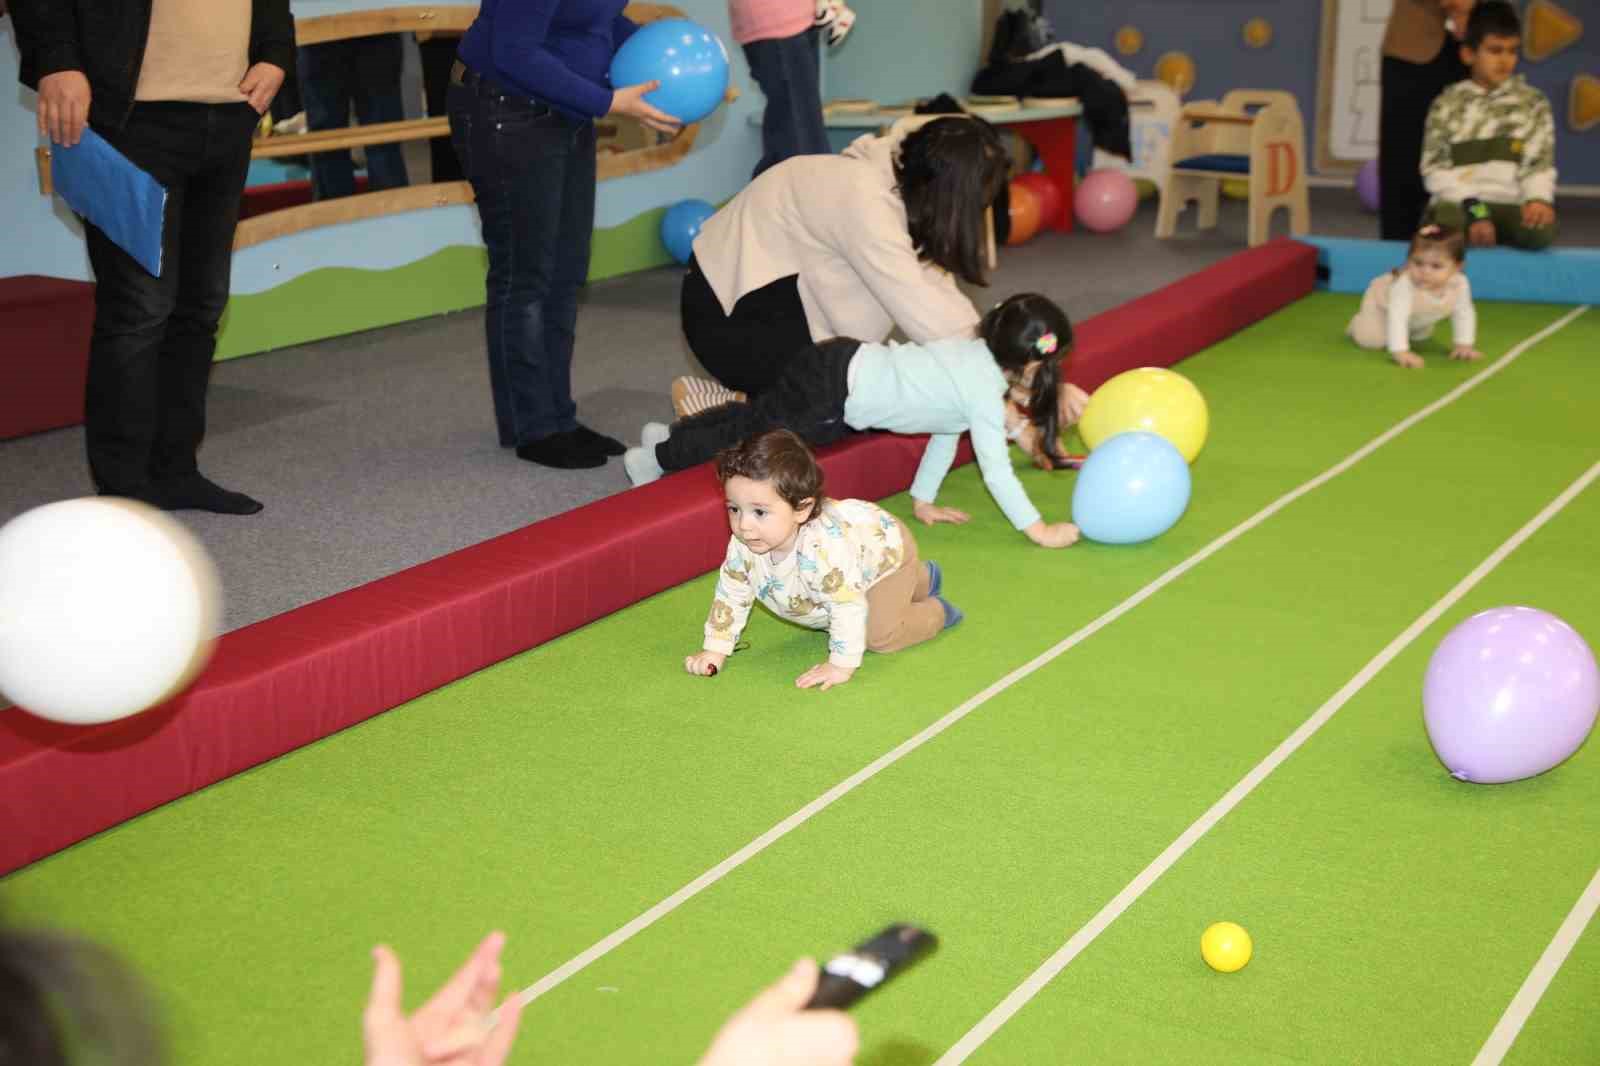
[(175, 88)]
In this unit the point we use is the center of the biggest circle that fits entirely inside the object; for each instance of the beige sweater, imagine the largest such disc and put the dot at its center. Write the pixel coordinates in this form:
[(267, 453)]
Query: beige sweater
[(197, 50), (837, 222)]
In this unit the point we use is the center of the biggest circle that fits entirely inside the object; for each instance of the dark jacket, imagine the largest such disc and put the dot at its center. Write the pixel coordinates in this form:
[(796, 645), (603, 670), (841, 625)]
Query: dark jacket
[(105, 39)]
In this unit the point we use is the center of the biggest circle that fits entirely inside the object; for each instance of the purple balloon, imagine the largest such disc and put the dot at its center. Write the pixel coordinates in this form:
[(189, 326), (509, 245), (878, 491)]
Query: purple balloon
[(1367, 184), (1509, 693)]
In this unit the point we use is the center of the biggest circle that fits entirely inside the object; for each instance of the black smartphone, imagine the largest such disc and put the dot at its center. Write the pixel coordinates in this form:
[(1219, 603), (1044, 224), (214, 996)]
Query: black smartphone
[(848, 976)]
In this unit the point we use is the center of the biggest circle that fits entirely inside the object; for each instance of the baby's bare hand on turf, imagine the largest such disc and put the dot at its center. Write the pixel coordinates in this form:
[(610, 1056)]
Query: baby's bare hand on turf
[(825, 675), (928, 513), (1052, 535), (1465, 352), (1407, 359), (705, 663)]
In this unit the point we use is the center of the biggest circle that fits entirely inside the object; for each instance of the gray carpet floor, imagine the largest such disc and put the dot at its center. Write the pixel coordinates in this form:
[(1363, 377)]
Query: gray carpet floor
[(375, 452)]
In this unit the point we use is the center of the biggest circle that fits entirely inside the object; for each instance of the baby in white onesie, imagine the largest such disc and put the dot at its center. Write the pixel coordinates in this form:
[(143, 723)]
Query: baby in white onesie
[(1404, 305)]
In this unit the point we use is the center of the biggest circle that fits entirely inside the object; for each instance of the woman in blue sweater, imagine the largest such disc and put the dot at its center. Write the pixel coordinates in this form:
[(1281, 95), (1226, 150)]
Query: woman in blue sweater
[(530, 79)]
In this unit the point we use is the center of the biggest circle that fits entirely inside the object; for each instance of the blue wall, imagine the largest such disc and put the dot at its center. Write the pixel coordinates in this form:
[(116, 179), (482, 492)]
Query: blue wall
[(43, 238), (906, 49), (1210, 32)]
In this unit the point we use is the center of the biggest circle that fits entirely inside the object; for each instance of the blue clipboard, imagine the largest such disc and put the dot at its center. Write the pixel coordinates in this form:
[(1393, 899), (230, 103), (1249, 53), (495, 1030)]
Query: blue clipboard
[(101, 184)]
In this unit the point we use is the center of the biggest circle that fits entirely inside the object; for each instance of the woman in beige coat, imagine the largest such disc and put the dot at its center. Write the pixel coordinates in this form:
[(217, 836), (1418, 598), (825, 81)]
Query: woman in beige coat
[(1421, 55)]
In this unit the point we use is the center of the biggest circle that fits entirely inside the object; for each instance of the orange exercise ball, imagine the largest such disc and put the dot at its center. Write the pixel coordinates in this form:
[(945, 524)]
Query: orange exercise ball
[(1026, 214)]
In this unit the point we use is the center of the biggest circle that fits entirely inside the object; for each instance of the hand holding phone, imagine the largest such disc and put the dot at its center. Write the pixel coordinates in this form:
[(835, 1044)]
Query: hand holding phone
[(849, 976)]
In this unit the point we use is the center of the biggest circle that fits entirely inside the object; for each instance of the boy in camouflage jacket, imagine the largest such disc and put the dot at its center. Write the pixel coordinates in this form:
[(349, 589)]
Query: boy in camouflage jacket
[(1488, 153)]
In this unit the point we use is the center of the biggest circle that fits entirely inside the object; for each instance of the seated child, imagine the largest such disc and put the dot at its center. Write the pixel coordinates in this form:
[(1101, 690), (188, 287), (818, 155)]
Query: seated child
[(846, 566), (1489, 147), (1404, 305), (944, 388)]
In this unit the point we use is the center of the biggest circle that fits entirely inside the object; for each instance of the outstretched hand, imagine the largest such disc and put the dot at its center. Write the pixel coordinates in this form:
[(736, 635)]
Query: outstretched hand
[(774, 1029), (447, 1030), (928, 513)]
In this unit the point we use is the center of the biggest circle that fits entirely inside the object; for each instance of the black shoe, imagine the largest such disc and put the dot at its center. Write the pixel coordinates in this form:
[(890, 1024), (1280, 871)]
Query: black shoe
[(192, 492), (588, 438), (564, 451)]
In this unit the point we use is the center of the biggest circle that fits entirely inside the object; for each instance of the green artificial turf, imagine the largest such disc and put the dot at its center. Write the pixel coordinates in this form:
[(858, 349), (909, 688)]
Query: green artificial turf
[(561, 793)]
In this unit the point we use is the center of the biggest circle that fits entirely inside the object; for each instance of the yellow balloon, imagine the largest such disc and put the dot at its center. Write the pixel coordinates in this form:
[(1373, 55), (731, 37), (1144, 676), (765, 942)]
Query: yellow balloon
[(1153, 399), (1225, 946)]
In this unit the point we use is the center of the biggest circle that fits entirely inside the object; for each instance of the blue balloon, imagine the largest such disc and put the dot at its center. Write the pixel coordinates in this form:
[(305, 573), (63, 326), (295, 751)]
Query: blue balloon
[(686, 58), (1133, 487), (681, 225)]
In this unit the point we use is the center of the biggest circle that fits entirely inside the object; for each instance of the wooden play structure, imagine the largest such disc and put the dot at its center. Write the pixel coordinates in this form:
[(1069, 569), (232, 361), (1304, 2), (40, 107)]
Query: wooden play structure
[(1252, 134)]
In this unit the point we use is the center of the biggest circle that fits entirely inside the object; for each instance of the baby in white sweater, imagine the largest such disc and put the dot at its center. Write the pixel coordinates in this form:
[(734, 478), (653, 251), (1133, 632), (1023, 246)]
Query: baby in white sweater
[(1404, 305)]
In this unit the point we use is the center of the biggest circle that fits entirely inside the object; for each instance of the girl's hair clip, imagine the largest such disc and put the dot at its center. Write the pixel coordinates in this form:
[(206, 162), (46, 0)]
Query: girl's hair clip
[(1046, 344), (1432, 229)]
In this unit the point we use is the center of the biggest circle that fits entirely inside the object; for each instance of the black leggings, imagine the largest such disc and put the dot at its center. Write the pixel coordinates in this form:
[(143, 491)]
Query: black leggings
[(748, 349), (808, 398), (1406, 93)]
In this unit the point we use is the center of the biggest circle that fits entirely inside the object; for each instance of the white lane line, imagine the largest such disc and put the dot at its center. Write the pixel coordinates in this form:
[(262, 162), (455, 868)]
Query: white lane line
[(1539, 978), (666, 906), (1035, 983)]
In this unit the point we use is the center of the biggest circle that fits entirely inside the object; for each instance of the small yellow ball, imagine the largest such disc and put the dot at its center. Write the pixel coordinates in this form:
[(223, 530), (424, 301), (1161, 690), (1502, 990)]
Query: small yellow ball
[(1129, 40), (1225, 946), (1258, 33)]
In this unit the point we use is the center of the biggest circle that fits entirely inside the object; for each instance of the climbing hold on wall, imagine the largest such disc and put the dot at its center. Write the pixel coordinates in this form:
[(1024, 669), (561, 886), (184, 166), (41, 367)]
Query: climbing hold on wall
[(1258, 33), (1550, 28), (1177, 70)]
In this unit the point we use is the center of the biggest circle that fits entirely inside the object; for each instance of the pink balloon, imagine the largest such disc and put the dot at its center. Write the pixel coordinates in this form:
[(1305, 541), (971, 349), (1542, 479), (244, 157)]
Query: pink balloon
[(1509, 693), (1105, 200)]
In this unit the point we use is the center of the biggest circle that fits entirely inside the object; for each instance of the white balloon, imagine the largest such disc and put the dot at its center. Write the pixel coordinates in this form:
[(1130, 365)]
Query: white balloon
[(107, 608)]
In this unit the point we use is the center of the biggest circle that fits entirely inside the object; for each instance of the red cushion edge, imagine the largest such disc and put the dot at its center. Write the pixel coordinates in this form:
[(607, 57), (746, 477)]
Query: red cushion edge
[(305, 674)]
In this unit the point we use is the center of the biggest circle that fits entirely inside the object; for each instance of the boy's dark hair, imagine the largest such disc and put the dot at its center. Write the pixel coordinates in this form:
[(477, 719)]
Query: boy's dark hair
[(948, 173), (1448, 240), (781, 457), (64, 1000), (1020, 329), (1491, 18)]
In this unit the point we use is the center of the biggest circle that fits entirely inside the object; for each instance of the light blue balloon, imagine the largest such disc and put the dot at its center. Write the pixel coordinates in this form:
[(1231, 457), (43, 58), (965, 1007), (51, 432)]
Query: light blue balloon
[(688, 59), (1133, 487), (681, 225)]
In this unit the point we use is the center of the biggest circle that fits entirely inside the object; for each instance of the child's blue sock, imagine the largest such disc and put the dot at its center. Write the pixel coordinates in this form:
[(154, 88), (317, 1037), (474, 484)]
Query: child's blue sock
[(952, 613), (935, 578)]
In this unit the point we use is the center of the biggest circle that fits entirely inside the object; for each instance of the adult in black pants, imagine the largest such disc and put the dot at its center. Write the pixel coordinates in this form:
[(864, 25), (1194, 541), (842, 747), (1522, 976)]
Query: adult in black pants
[(177, 87), (848, 245), (1421, 56)]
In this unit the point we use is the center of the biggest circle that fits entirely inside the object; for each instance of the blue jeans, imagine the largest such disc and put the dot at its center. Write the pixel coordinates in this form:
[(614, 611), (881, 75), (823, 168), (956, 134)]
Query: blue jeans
[(532, 170), (150, 352), (364, 71), (786, 70)]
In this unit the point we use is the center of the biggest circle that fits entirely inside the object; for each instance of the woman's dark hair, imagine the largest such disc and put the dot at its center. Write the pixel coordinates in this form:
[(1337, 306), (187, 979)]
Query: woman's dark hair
[(781, 457), (1451, 242), (948, 173), (66, 1001), (1020, 329), (1491, 18)]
